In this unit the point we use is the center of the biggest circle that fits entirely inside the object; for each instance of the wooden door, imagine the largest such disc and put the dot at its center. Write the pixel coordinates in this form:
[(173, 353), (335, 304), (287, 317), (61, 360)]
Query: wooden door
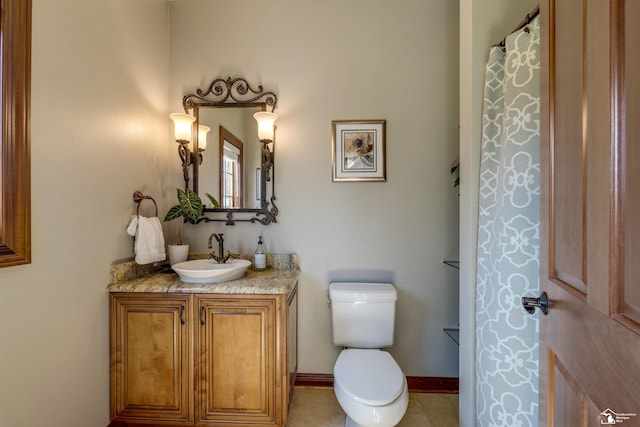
[(150, 359), (590, 222), (236, 365)]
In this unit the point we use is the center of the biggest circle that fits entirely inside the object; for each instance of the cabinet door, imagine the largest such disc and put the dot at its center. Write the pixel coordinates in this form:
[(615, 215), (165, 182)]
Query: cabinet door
[(150, 368), (236, 360)]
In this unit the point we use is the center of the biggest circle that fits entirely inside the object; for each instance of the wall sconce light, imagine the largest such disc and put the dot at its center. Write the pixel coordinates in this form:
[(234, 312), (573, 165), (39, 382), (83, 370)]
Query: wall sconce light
[(266, 130), (182, 124), (266, 126), (202, 138)]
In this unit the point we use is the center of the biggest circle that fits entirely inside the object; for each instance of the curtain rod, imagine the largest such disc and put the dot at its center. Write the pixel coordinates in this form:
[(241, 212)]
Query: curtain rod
[(527, 19)]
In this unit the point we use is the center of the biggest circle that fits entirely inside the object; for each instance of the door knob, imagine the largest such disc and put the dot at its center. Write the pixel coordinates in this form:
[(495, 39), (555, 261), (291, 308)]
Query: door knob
[(542, 303)]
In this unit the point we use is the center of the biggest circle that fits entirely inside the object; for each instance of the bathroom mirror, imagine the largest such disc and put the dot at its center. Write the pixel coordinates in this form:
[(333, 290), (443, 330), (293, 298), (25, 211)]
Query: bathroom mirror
[(235, 166), (233, 155)]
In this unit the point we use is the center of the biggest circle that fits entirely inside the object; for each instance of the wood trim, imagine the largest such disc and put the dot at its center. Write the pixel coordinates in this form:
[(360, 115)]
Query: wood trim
[(15, 165), (314, 380), (623, 129), (416, 384), (433, 385), (616, 239)]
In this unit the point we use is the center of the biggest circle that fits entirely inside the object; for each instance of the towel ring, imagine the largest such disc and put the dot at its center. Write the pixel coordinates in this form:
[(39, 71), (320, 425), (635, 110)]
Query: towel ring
[(138, 197)]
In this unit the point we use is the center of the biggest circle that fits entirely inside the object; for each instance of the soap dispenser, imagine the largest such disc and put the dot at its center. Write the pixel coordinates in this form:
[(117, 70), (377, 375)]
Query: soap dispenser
[(260, 256)]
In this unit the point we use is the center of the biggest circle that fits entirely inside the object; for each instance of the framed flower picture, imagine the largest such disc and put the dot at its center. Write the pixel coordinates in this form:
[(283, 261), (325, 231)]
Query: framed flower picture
[(358, 149)]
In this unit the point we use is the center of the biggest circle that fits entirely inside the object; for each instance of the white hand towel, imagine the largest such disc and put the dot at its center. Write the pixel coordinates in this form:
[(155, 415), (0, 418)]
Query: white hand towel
[(149, 241)]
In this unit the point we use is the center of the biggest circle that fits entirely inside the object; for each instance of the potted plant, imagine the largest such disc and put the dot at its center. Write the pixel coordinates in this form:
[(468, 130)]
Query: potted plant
[(189, 208)]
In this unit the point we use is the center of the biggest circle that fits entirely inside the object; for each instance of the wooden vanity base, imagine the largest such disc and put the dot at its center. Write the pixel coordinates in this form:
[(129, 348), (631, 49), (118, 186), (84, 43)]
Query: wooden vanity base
[(202, 359)]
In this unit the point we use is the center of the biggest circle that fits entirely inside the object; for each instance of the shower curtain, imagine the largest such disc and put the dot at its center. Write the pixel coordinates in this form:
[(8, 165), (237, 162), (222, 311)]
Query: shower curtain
[(508, 234)]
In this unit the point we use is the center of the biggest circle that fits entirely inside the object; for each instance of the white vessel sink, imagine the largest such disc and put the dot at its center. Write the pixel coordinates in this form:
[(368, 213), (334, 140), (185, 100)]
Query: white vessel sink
[(209, 271)]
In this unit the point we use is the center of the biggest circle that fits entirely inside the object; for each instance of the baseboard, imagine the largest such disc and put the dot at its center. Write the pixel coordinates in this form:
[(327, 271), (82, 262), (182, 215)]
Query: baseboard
[(314, 380), (416, 384), (433, 385)]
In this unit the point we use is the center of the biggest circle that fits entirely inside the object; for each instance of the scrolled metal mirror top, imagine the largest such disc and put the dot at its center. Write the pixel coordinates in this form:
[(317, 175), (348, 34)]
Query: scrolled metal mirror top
[(236, 167), (229, 93)]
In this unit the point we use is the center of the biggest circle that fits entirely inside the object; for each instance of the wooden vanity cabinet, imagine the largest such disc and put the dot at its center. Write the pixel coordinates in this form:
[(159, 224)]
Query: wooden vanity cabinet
[(236, 354), (230, 363), (151, 369)]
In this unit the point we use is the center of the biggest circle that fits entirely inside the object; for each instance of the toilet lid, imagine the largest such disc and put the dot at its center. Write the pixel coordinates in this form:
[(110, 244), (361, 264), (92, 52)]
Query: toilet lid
[(370, 377)]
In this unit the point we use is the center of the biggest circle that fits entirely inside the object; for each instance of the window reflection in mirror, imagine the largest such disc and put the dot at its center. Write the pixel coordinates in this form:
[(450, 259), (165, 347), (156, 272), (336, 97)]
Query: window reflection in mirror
[(224, 173), (231, 157)]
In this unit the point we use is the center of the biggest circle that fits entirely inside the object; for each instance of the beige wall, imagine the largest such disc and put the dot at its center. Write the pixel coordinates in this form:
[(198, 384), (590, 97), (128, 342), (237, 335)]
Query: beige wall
[(482, 24), (101, 87), (99, 131), (337, 60)]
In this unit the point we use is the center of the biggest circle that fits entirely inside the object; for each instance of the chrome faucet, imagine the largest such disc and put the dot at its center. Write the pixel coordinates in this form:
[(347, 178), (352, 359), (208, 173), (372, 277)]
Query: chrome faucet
[(221, 257)]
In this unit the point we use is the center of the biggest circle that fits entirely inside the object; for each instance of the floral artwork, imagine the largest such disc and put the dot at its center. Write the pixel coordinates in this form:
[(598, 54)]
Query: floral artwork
[(358, 150)]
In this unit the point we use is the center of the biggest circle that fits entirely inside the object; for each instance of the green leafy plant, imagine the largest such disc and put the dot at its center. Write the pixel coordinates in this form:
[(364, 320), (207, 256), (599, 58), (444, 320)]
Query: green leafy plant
[(455, 171), (213, 200), (189, 207)]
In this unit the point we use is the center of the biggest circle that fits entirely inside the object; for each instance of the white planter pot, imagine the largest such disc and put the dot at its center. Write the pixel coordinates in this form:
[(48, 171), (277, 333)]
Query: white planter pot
[(178, 253)]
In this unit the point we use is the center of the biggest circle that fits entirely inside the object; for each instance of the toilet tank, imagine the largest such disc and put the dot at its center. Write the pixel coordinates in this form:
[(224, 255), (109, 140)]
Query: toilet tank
[(363, 314)]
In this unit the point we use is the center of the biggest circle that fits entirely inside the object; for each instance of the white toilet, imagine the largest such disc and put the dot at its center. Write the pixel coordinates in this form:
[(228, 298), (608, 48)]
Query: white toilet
[(368, 383)]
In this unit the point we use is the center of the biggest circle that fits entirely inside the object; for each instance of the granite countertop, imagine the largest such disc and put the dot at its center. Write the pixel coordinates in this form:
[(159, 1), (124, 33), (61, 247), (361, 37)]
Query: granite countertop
[(280, 277)]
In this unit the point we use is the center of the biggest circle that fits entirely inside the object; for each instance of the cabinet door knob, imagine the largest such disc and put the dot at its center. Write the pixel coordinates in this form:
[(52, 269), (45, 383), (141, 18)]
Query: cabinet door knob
[(201, 315), (182, 314)]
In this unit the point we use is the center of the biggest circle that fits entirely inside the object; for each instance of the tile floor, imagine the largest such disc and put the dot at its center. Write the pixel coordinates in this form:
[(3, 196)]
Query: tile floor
[(318, 407)]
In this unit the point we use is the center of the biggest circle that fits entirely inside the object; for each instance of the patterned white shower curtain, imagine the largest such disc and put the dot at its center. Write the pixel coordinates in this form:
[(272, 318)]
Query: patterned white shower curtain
[(508, 235)]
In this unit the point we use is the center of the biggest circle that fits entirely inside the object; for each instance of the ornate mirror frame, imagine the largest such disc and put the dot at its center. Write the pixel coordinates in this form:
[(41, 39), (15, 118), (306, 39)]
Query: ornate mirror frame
[(15, 152), (236, 93)]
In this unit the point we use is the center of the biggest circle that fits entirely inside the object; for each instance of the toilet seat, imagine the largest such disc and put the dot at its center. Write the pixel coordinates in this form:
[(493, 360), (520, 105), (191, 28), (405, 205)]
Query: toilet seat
[(369, 376)]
